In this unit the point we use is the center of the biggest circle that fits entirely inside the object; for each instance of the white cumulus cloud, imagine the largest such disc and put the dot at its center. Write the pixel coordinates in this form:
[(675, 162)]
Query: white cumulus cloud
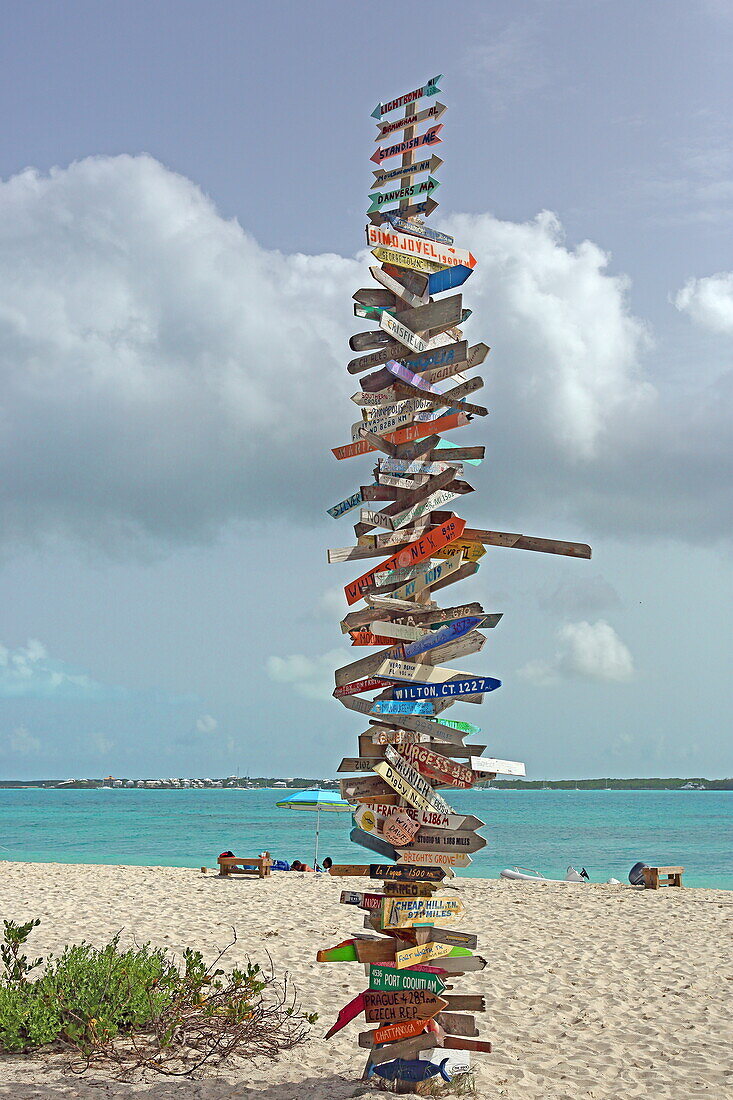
[(589, 651), (311, 677), (708, 301), (29, 672), (206, 723)]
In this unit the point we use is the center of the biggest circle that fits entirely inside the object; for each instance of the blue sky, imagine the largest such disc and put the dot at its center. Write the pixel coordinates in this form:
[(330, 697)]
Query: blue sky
[(181, 229)]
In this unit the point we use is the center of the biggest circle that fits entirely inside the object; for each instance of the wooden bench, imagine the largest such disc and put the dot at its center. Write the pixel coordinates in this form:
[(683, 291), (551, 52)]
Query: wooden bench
[(239, 865), (670, 876)]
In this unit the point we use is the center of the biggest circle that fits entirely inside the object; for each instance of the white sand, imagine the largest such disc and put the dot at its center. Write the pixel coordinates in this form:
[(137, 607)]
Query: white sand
[(591, 991)]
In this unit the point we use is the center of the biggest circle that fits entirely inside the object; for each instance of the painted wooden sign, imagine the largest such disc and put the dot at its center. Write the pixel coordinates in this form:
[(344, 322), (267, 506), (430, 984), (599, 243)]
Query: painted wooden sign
[(476, 685), (402, 1069), (417, 858), (400, 148), (378, 199), (399, 784), (445, 840), (399, 828), (407, 434), (413, 553), (373, 842), (386, 129), (437, 767), (396, 287), (399, 331), (497, 767), (414, 168), (403, 1051), (346, 505), (429, 88), (348, 1013), (423, 952), (394, 668), (429, 933), (418, 229), (433, 819), (392, 1033), (443, 255), (365, 637), (363, 787), (374, 359), (401, 259), (358, 686), (397, 630), (418, 889), (372, 902), (448, 633), (406, 912), (389, 706), (388, 979), (399, 1005), (397, 763), (448, 278)]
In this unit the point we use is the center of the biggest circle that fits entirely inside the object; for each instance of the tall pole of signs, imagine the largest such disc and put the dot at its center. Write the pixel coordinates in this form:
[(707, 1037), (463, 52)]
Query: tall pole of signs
[(415, 374)]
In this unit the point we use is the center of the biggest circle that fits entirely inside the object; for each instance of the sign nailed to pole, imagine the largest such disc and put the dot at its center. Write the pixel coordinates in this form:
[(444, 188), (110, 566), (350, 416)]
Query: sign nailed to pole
[(427, 89)]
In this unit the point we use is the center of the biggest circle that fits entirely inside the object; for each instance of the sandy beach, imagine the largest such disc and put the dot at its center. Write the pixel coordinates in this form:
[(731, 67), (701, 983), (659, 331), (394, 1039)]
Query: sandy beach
[(591, 992)]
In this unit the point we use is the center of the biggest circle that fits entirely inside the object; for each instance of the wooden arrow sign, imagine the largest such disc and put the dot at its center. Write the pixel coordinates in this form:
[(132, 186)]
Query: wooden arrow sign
[(411, 554), (427, 89), (406, 912), (397, 288), (431, 934), (433, 819), (374, 359), (363, 341), (406, 791), (405, 244), (433, 112), (363, 787), (393, 1033), (389, 706), (438, 768), (417, 228), (406, 874), (393, 668), (389, 979), (497, 767), (378, 199), (348, 1013), (401, 259), (429, 138), (424, 952), (448, 278), (373, 842), (416, 858), (444, 840), (448, 633), (398, 331), (397, 1006), (414, 168), (398, 764), (476, 685), (407, 434)]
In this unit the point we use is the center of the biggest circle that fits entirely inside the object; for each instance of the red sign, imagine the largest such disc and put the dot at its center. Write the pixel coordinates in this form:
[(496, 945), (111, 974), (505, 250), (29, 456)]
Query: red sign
[(358, 686), (424, 547), (405, 435)]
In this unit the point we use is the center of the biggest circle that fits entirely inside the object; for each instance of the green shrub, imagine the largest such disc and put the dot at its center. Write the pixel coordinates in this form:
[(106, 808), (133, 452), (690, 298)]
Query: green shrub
[(136, 1007)]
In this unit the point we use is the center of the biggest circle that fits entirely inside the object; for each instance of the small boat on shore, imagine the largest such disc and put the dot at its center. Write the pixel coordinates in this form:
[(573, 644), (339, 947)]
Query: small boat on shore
[(524, 874)]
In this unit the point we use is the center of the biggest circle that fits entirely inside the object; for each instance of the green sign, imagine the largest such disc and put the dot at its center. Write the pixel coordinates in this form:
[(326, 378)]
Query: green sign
[(400, 194), (385, 979), (464, 727)]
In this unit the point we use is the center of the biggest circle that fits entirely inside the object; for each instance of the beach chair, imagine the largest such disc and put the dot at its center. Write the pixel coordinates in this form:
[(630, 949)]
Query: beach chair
[(259, 866)]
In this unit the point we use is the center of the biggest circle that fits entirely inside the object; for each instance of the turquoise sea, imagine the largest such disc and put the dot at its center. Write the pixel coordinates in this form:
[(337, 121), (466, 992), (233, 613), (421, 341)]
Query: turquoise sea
[(604, 831)]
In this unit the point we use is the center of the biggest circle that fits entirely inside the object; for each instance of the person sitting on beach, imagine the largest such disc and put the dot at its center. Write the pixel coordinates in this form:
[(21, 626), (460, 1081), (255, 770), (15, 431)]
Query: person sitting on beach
[(327, 865), (296, 865)]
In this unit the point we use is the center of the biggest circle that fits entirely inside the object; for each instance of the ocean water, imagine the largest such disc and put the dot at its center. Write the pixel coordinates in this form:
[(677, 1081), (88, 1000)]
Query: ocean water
[(604, 831)]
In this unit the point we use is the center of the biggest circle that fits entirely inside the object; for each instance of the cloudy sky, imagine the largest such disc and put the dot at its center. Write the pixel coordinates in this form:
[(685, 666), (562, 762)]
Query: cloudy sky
[(182, 189)]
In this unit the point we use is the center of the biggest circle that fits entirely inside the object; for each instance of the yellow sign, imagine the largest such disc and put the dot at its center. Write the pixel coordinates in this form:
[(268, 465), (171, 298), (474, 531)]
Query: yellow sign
[(472, 550), (401, 259), (422, 953)]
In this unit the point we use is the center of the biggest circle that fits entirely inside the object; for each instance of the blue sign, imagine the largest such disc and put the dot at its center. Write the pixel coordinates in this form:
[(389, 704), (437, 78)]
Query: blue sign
[(415, 1070), (373, 843), (449, 633), (387, 706), (475, 686), (417, 230), (448, 278)]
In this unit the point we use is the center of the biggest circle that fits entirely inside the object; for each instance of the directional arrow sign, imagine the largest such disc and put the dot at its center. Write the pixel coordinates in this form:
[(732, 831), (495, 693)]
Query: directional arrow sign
[(406, 790), (373, 842), (476, 686), (432, 858), (396, 669), (447, 841), (427, 89), (386, 129), (412, 554), (401, 332), (448, 633), (388, 872), (379, 199), (405, 912), (400, 1005), (393, 1033), (422, 953), (415, 780), (419, 230), (416, 168), (401, 259), (358, 686), (348, 1013), (410, 432), (389, 706), (406, 244), (437, 767), (430, 137), (448, 278), (388, 979), (431, 819), (346, 505)]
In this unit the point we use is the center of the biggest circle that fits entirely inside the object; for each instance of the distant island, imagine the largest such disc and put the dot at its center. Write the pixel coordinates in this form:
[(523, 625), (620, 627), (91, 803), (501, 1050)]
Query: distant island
[(235, 782)]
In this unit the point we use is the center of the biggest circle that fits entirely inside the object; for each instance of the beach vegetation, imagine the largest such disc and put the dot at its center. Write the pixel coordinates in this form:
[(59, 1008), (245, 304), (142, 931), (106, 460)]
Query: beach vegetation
[(137, 1007)]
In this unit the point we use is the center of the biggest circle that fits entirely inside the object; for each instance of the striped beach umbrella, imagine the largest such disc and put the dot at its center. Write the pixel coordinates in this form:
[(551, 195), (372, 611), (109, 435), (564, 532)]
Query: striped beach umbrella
[(321, 802)]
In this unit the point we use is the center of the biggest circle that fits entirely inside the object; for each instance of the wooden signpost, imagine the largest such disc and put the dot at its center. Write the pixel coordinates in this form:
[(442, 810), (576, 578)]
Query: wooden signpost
[(415, 378)]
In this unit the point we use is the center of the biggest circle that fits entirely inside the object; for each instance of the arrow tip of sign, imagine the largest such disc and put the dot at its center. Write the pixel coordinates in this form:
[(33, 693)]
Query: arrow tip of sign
[(376, 156), (377, 112)]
